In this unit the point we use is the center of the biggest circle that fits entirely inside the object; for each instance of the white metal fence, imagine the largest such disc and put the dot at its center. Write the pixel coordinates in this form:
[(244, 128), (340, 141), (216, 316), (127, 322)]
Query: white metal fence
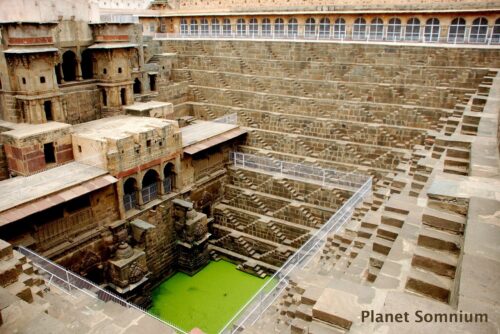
[(228, 119), (308, 173), (429, 34), (119, 18), (265, 297), (71, 283)]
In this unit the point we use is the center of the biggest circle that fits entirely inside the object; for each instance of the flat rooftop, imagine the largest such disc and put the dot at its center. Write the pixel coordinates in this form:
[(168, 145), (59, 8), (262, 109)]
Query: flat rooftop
[(20, 131), (142, 106), (119, 127), (203, 130), (23, 189)]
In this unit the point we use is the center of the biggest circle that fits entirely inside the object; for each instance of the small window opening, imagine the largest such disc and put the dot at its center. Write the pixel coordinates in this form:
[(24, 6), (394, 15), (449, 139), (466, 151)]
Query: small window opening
[(24, 81), (79, 149), (104, 71), (119, 70), (42, 79), (148, 143)]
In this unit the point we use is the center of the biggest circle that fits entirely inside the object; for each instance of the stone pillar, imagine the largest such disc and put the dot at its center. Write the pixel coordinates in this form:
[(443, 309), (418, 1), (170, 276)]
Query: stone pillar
[(78, 70), (120, 193), (59, 70)]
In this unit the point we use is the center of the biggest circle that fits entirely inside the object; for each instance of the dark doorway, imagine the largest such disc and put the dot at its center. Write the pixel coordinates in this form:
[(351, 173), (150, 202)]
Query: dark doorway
[(57, 68), (47, 107), (123, 95), (87, 65), (48, 151), (104, 98), (130, 197), (69, 66), (137, 86), (152, 82)]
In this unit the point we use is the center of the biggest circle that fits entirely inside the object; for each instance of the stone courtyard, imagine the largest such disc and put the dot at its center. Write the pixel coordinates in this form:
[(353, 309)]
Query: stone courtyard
[(135, 144)]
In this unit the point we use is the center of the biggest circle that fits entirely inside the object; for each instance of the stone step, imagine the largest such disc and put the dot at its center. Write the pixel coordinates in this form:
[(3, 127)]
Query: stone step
[(393, 219), (440, 263), (429, 284), (388, 232), (439, 240), (443, 220), (381, 245), (20, 290)]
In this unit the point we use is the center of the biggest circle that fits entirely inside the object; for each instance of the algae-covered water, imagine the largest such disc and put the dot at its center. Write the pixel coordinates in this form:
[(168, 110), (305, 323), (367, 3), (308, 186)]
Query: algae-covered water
[(207, 300)]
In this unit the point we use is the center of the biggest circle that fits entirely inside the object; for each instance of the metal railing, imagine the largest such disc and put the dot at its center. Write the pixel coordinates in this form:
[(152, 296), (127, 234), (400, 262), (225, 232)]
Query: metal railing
[(149, 193), (71, 283), (362, 33), (119, 18), (307, 173), (270, 291), (129, 201), (228, 119)]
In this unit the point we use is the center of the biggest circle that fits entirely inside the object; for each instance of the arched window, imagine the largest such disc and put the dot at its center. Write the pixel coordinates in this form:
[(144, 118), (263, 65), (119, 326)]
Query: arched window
[(137, 86), (184, 27), (339, 28), (169, 178), (456, 33), (226, 27), (215, 27), (130, 194), (266, 27), (310, 27), (204, 26), (479, 30), (279, 27), (394, 29), (293, 27), (495, 37), (359, 29), (253, 27), (412, 29), (431, 33), (149, 189), (377, 29), (241, 27), (324, 27), (194, 27)]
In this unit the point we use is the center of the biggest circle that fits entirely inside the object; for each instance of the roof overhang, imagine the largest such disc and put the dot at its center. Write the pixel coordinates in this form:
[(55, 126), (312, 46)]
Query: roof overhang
[(17, 213), (24, 50), (112, 46), (216, 140)]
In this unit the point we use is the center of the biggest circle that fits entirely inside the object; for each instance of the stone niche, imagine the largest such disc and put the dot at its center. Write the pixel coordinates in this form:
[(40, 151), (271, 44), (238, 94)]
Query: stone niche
[(128, 269), (192, 231)]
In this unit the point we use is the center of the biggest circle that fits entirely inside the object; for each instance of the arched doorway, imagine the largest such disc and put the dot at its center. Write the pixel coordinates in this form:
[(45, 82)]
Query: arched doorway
[(104, 98), (47, 108), (69, 66), (130, 194), (123, 95), (137, 86), (169, 177), (149, 186), (87, 65)]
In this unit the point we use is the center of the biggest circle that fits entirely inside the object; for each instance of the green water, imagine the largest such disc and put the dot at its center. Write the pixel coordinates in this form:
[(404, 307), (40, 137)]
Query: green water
[(207, 300)]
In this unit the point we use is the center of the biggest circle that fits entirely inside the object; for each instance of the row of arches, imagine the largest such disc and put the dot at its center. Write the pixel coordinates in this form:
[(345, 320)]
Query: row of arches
[(376, 28), (149, 188), (73, 68)]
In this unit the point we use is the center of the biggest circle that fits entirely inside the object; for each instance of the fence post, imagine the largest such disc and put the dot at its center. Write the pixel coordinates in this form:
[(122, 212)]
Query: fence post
[(67, 280)]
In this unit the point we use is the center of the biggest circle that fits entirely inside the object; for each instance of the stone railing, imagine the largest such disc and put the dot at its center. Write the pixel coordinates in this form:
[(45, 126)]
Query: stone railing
[(270, 291), (427, 34)]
